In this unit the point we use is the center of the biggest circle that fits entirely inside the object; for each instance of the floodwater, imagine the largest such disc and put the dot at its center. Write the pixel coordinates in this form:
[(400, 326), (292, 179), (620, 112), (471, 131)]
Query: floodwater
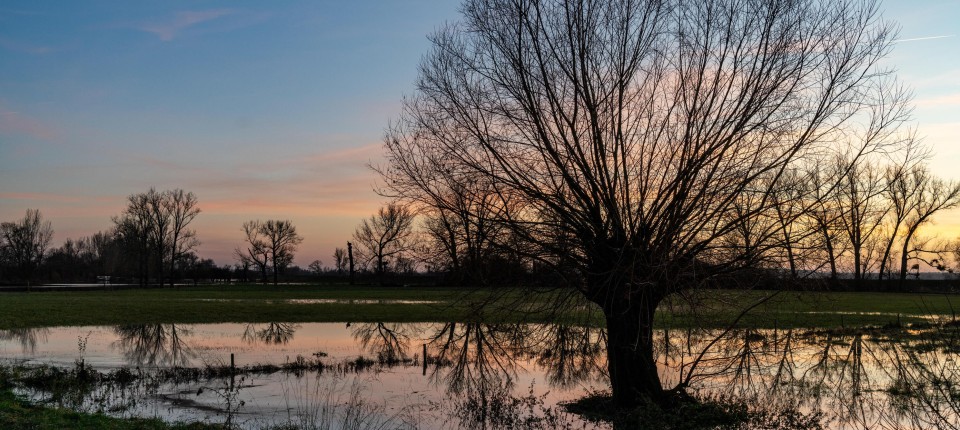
[(487, 375), (380, 363)]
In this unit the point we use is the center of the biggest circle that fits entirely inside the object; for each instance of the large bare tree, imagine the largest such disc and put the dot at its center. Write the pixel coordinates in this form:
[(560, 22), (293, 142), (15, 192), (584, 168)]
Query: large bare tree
[(156, 223), (160, 227), (627, 133), (182, 207), (133, 228), (930, 195)]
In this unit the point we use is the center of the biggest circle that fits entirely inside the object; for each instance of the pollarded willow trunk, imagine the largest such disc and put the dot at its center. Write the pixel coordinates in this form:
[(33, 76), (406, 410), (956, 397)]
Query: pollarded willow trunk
[(630, 361)]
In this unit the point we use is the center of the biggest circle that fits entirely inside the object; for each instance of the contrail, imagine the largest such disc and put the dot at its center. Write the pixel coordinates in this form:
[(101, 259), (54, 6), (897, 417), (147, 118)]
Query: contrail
[(914, 39)]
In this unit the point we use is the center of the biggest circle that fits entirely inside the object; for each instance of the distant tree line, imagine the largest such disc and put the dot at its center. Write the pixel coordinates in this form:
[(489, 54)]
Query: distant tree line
[(858, 217), (855, 219), (150, 242)]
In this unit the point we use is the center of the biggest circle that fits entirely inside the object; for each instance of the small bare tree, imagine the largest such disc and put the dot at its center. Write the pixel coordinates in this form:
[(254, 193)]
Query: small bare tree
[(281, 239), (316, 266), (931, 196), (384, 236), (340, 260)]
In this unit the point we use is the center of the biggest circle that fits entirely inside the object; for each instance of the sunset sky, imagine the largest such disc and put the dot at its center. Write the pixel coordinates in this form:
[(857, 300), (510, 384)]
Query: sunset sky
[(274, 109)]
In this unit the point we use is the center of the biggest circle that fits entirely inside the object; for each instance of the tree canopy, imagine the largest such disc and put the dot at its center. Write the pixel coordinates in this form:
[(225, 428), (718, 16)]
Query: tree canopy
[(628, 143)]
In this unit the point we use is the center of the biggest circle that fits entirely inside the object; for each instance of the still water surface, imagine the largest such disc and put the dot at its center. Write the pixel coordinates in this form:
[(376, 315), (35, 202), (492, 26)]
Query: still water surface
[(855, 379)]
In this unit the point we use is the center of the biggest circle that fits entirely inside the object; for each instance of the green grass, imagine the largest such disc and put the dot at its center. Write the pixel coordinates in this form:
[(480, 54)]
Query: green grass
[(811, 309), (264, 303), (17, 414), (248, 303)]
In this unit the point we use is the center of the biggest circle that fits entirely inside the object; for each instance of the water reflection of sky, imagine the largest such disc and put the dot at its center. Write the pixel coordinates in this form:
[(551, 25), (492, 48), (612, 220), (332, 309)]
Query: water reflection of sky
[(861, 379), (211, 343), (487, 357)]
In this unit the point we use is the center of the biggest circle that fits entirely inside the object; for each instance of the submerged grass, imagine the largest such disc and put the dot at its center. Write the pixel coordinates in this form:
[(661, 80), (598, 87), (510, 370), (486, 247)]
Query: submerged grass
[(18, 414), (68, 396), (265, 303)]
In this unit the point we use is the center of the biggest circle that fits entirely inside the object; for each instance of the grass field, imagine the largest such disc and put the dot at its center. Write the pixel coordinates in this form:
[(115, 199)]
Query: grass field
[(331, 303)]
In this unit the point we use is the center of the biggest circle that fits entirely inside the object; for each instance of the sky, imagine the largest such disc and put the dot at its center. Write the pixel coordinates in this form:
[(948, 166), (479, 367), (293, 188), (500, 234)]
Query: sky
[(274, 110)]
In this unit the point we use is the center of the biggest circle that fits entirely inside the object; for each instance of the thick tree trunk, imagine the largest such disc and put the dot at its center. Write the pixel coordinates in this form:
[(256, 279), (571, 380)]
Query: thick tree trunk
[(173, 258), (904, 259), (633, 371), (160, 268), (830, 255), (857, 275), (276, 269)]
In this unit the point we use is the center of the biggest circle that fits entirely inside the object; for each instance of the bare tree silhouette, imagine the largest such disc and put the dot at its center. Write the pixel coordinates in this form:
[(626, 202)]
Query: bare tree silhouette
[(24, 242), (621, 138), (269, 244), (385, 236)]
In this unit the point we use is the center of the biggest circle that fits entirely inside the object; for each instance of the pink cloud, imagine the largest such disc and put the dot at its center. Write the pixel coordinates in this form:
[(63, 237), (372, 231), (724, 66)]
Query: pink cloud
[(56, 198), (169, 30), (325, 192)]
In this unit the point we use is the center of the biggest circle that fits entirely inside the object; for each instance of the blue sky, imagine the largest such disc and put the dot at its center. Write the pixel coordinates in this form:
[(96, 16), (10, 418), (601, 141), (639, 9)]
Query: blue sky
[(273, 109)]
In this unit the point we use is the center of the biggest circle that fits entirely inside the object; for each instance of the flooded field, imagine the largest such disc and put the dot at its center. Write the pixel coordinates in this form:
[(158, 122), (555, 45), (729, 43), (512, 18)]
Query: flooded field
[(474, 375)]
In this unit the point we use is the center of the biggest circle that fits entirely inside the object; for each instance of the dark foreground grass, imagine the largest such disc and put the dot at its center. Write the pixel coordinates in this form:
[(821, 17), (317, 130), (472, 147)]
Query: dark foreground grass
[(691, 414), (265, 303), (17, 414)]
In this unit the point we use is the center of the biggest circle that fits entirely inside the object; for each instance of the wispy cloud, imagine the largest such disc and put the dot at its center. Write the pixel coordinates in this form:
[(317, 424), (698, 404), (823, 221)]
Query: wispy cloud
[(56, 198), (170, 29), (947, 100), (331, 181), (916, 39), (14, 122), (28, 48)]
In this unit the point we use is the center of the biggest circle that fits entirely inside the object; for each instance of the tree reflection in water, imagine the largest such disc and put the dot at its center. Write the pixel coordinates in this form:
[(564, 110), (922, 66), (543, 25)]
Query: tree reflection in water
[(154, 344), (852, 379), (475, 358), (388, 341), (26, 337), (859, 379), (477, 362), (569, 354), (269, 333), (889, 378)]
